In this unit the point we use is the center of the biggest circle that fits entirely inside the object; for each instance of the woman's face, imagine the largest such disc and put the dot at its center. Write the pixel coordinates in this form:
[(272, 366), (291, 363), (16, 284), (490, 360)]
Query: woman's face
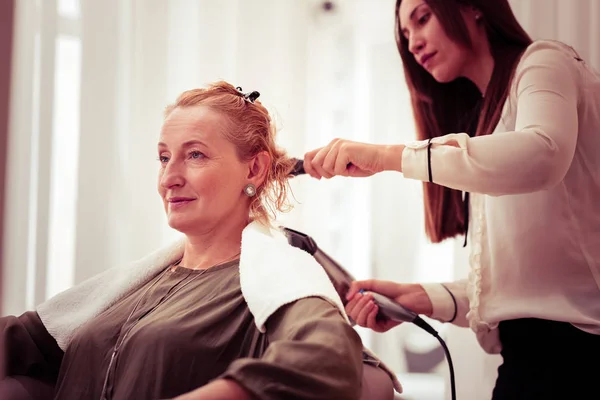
[(201, 179), (443, 58)]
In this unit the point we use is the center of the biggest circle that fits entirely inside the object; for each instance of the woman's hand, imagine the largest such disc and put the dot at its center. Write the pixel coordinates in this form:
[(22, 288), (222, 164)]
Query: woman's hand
[(363, 310), (347, 158)]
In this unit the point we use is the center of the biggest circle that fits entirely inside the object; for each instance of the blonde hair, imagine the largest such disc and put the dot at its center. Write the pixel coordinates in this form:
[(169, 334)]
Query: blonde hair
[(251, 130)]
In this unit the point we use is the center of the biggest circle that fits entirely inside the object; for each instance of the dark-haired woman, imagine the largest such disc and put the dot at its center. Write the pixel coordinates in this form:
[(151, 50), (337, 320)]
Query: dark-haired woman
[(509, 152)]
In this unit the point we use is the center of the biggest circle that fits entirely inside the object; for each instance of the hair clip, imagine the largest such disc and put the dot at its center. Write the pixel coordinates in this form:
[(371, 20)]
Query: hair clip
[(251, 97)]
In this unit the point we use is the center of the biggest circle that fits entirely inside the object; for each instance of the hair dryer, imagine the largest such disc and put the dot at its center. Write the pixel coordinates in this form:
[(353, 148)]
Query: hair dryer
[(342, 279)]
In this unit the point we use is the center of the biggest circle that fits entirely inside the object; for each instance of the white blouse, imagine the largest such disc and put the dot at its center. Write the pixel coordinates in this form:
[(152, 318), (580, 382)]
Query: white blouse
[(535, 200)]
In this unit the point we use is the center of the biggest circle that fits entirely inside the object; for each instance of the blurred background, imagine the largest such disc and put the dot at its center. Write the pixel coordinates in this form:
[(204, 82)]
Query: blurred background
[(83, 84)]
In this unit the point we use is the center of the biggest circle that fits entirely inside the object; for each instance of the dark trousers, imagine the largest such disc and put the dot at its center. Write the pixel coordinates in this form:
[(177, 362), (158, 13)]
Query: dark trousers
[(547, 360)]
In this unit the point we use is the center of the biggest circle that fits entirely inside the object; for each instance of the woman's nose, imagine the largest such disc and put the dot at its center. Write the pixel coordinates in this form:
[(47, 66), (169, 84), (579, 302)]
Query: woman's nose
[(415, 44), (172, 176)]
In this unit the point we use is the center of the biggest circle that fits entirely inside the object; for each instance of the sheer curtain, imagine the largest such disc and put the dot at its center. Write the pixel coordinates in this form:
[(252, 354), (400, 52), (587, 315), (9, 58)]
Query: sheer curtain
[(91, 82)]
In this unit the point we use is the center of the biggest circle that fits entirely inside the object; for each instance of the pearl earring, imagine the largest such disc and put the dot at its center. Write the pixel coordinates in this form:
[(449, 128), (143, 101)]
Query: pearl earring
[(250, 190)]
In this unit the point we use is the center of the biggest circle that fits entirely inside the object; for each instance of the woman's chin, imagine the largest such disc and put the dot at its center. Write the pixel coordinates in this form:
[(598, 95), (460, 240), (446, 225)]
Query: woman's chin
[(180, 224), (442, 75)]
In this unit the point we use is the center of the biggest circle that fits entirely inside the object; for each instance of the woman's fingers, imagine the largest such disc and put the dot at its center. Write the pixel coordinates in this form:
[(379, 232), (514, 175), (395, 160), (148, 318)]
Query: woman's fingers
[(317, 163), (328, 161), (386, 288), (380, 325), (372, 318), (353, 306), (324, 161), (308, 163), (362, 311), (357, 286), (330, 158), (342, 162), (356, 308), (345, 158)]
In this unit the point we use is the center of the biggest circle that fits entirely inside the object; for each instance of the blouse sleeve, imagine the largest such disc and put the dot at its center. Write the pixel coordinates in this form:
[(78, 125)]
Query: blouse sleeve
[(313, 353), (533, 157), (449, 300), (27, 349)]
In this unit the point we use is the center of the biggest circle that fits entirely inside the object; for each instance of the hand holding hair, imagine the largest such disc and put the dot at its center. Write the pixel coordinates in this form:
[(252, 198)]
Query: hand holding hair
[(348, 158)]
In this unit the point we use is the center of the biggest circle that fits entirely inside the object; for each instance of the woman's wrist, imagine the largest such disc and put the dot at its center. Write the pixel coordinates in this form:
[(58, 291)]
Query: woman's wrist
[(443, 304), (423, 301), (392, 157)]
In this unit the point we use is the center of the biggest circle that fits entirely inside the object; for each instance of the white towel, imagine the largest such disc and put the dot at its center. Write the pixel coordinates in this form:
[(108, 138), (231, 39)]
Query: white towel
[(269, 279), (281, 275), (66, 312)]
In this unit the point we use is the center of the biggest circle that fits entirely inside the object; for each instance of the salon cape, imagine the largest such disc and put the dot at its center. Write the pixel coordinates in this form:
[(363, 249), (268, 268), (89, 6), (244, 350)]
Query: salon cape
[(272, 274)]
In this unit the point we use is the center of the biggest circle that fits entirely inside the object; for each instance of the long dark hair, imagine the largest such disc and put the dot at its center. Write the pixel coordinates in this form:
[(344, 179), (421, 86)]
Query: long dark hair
[(457, 106)]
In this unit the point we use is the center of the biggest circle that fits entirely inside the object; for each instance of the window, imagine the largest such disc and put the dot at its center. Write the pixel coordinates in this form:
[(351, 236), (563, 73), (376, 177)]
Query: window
[(46, 160), (63, 178)]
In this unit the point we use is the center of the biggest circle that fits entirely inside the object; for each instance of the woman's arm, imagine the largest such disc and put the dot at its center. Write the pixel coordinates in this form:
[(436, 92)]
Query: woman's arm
[(446, 302), (29, 356), (535, 156), (313, 353)]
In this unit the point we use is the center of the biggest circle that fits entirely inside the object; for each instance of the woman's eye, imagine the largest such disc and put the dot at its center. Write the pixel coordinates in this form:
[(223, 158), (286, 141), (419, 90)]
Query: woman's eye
[(196, 155), (163, 159), (424, 18)]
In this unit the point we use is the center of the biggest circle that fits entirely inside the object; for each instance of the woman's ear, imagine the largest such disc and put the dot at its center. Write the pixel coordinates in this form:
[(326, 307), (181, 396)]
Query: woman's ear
[(475, 13), (473, 18), (471, 13), (258, 167)]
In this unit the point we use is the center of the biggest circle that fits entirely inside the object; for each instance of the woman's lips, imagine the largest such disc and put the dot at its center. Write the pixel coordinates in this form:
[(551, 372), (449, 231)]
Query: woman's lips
[(177, 204), (426, 60)]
